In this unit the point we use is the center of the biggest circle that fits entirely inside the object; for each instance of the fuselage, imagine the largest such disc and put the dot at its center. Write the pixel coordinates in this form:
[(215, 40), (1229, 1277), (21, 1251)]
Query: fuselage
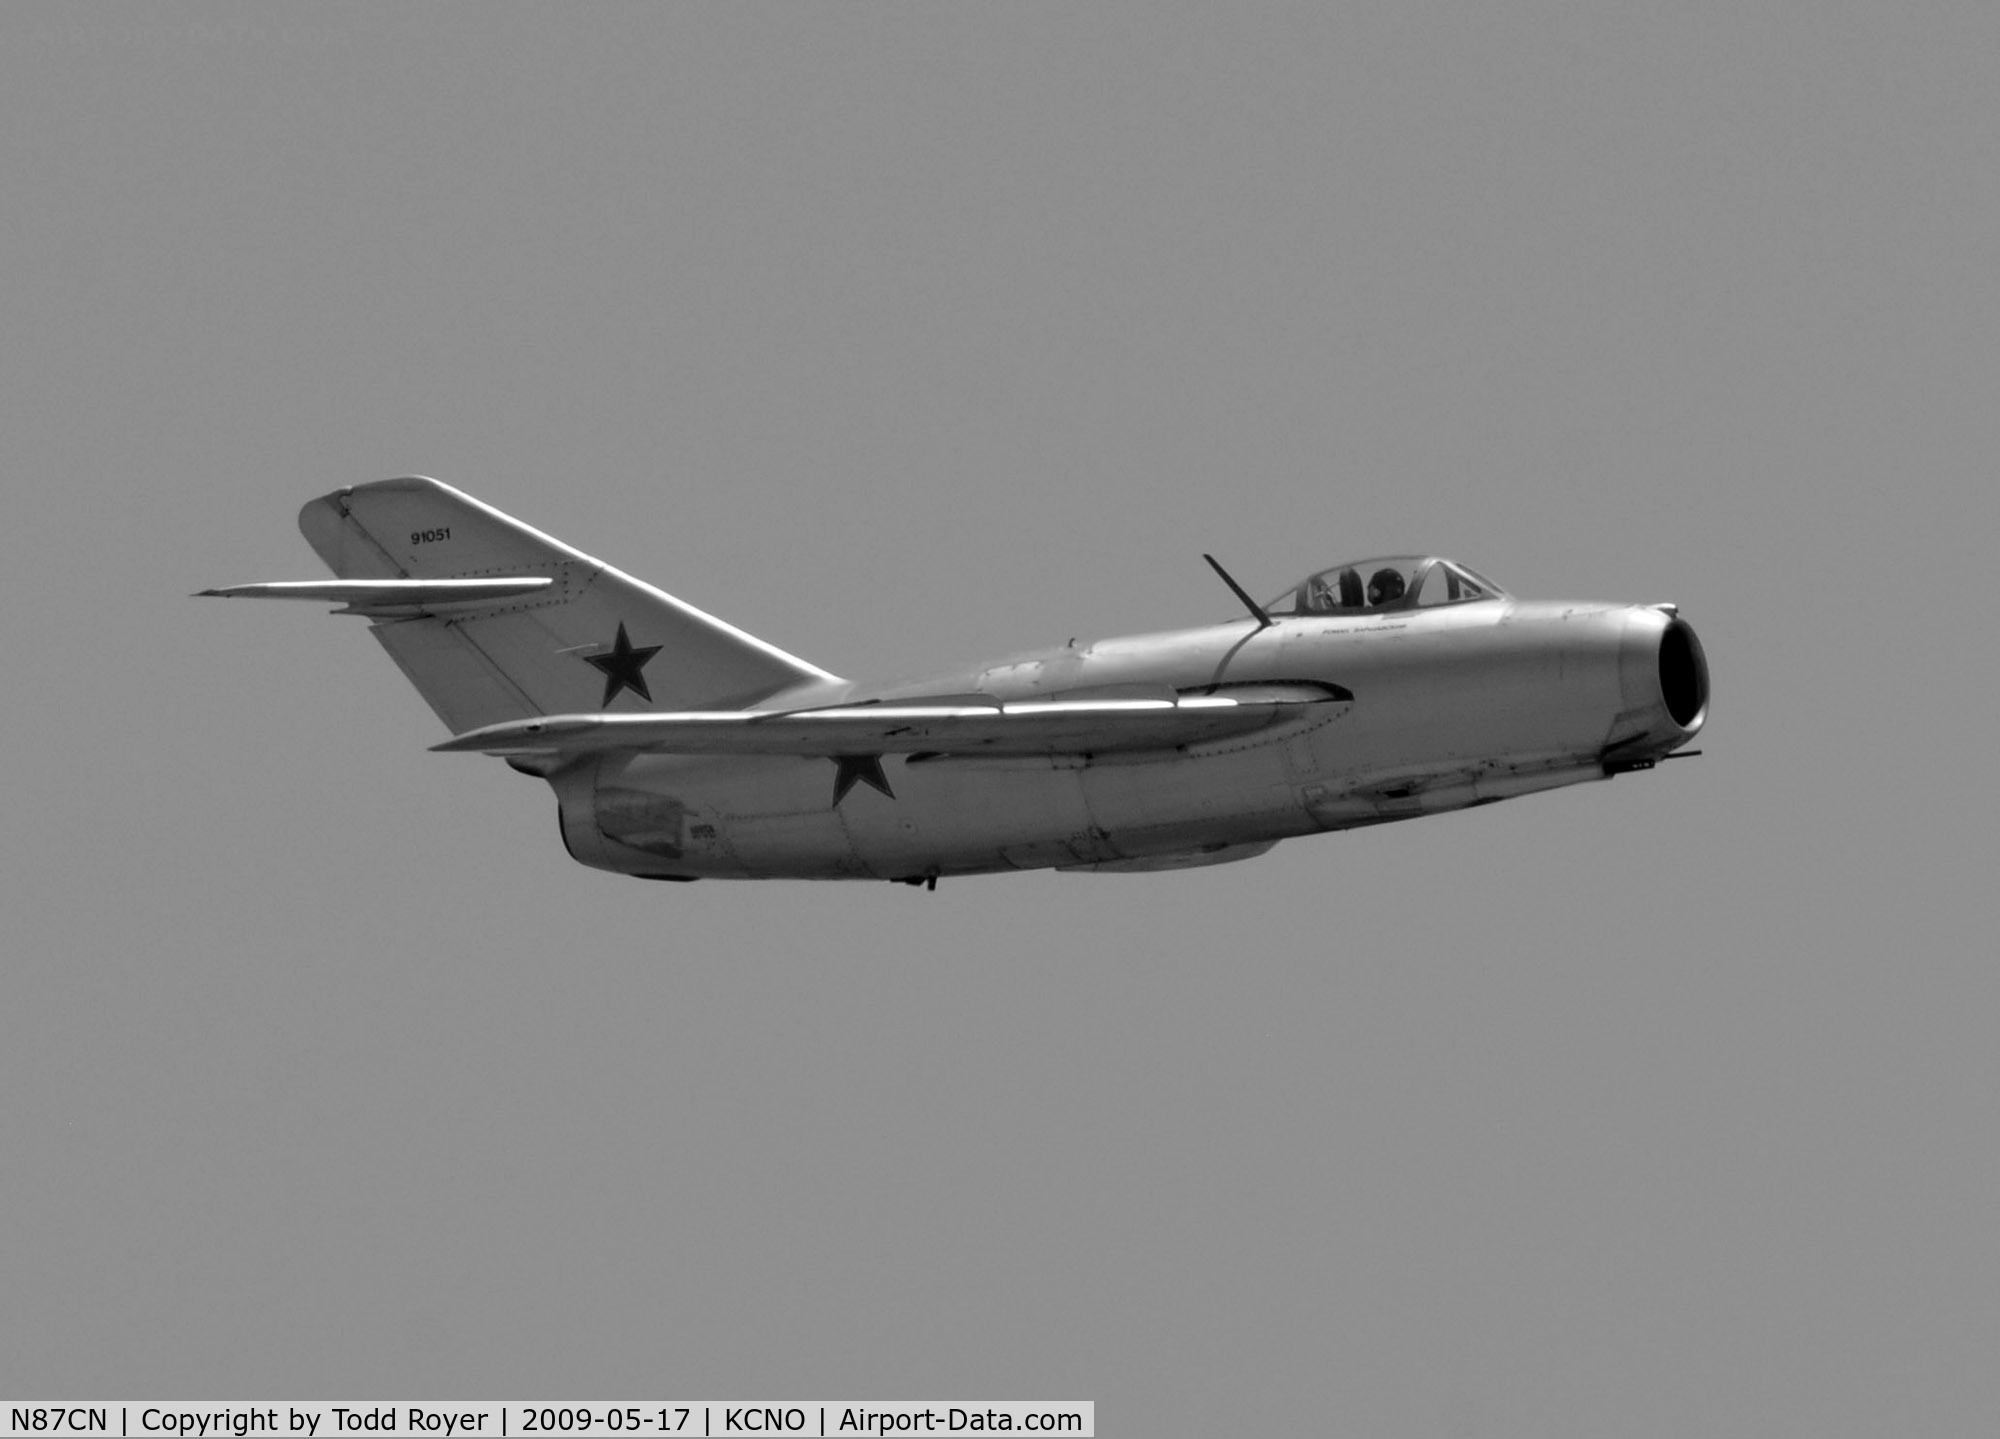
[(1453, 706)]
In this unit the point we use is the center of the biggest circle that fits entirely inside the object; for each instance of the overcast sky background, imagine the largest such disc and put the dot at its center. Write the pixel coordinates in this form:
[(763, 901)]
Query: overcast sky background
[(901, 336)]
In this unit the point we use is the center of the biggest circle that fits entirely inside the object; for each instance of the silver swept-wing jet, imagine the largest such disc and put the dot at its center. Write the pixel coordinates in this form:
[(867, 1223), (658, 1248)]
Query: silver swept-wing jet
[(682, 748)]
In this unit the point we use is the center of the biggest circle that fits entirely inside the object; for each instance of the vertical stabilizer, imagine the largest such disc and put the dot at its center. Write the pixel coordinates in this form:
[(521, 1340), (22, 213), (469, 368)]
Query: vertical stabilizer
[(594, 640)]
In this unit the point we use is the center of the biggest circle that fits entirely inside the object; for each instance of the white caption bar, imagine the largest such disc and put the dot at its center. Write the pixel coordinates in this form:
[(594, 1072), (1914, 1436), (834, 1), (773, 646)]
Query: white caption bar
[(591, 1419)]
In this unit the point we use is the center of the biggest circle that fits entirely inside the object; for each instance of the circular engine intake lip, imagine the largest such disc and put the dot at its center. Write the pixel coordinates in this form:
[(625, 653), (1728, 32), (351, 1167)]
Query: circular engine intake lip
[(1683, 674)]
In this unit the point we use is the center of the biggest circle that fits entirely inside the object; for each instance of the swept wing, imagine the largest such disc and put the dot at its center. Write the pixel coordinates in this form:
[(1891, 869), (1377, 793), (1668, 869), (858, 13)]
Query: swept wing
[(963, 724)]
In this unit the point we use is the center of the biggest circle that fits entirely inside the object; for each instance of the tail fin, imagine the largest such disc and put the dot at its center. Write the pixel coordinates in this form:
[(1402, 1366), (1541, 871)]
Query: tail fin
[(593, 640)]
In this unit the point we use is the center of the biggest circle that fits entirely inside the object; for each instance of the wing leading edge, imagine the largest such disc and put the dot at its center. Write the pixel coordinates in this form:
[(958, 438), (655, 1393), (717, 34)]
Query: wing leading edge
[(965, 725)]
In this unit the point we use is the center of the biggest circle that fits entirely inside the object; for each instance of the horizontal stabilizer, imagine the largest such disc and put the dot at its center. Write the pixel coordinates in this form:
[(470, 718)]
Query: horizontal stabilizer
[(1018, 727), (391, 597)]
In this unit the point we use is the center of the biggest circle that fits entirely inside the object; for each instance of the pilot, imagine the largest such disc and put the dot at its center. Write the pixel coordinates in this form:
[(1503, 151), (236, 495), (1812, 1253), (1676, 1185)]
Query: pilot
[(1385, 586)]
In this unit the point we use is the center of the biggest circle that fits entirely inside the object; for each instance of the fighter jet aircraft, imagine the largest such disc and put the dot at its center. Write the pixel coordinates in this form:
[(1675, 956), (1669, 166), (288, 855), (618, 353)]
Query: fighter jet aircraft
[(681, 748)]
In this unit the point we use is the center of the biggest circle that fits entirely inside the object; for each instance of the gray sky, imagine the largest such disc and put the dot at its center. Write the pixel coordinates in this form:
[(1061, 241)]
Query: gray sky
[(904, 335)]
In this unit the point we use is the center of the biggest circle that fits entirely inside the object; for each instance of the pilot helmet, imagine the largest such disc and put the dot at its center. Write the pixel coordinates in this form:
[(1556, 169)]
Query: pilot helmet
[(1385, 585)]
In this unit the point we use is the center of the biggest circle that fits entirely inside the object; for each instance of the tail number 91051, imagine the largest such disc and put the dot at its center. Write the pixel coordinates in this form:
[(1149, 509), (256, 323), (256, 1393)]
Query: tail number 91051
[(429, 537)]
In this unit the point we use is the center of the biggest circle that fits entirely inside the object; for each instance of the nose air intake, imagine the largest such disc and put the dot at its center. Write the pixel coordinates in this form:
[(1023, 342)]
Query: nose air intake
[(1683, 673), (1664, 689)]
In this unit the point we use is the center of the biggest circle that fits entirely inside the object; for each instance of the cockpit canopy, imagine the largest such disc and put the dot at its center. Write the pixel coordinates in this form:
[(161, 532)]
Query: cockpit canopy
[(1395, 582)]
